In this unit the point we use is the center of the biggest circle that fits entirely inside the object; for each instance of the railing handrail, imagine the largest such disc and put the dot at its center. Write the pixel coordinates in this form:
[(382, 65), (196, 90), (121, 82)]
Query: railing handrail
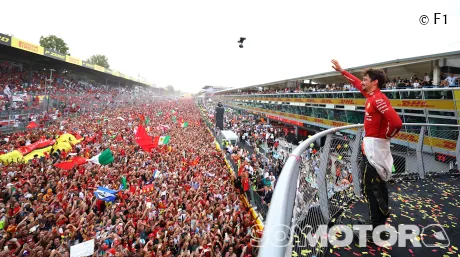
[(279, 219), (352, 91)]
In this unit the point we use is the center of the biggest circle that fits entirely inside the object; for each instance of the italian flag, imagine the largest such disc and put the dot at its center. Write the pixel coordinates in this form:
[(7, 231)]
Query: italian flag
[(184, 125), (163, 140), (103, 158)]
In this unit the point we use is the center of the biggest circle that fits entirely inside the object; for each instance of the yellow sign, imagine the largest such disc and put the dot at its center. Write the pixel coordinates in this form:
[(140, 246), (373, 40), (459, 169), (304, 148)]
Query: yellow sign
[(457, 100), (73, 60), (29, 47), (99, 68), (26, 46), (404, 136)]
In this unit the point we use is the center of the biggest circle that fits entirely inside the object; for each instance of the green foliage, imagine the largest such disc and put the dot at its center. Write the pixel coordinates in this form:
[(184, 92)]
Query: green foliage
[(55, 43), (99, 59)]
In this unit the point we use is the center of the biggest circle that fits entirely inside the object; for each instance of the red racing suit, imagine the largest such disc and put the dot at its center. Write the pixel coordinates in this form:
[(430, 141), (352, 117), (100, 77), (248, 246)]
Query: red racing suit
[(380, 120)]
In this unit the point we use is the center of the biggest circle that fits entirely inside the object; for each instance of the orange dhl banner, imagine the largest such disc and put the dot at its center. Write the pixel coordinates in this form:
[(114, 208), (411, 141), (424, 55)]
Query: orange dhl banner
[(431, 141), (409, 137), (434, 104)]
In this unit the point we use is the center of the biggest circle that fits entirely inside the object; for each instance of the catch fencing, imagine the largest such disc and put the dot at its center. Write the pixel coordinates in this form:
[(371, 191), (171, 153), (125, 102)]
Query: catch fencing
[(321, 179)]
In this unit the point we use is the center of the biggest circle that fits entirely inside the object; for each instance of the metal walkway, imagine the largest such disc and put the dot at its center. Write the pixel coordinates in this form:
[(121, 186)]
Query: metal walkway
[(423, 203), (321, 189)]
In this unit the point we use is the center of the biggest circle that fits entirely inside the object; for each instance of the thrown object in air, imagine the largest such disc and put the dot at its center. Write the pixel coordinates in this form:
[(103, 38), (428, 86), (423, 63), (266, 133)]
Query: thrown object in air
[(241, 41)]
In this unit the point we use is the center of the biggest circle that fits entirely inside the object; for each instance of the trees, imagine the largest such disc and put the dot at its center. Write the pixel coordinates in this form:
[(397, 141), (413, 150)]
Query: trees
[(55, 43), (99, 59)]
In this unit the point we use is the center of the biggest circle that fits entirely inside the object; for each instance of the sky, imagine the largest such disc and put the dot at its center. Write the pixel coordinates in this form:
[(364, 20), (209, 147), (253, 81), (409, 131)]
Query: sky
[(190, 44)]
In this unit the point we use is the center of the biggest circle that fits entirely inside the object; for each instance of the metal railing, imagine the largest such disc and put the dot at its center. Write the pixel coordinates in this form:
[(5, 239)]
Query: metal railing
[(321, 178), (425, 93), (14, 116)]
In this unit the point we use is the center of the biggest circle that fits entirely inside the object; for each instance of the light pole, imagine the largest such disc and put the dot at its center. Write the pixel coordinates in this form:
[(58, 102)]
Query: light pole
[(46, 90)]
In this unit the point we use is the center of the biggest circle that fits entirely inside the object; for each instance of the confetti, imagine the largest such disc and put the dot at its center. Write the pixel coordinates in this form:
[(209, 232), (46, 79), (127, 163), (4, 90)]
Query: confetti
[(421, 203)]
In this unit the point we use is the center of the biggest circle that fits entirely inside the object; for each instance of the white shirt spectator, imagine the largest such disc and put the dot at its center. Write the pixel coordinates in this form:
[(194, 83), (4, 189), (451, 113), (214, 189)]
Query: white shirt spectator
[(451, 80), (7, 91), (266, 174)]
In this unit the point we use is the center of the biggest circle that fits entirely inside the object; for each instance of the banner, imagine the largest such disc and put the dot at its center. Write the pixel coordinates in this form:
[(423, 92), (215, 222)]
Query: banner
[(99, 68), (447, 104), (26, 46), (55, 55), (5, 39), (108, 71), (73, 60), (88, 65), (39, 144), (37, 152), (82, 249), (446, 144)]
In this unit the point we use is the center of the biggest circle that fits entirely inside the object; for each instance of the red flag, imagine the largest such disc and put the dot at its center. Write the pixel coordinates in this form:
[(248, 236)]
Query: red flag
[(32, 125), (196, 161), (68, 165), (144, 140), (78, 160)]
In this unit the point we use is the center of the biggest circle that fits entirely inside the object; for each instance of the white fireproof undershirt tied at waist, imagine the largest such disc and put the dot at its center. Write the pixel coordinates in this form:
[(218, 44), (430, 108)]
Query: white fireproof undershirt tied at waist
[(378, 154)]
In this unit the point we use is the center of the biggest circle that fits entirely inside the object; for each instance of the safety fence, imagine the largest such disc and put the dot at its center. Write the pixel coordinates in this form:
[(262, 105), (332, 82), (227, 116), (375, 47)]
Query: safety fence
[(318, 182), (45, 109)]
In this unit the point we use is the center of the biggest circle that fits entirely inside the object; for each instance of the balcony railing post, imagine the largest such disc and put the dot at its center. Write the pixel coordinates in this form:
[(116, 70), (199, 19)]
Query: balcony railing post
[(419, 150), (322, 186), (457, 151), (355, 172)]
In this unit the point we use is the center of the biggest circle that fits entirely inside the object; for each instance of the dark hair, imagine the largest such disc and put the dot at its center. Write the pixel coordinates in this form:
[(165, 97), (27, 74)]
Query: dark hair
[(376, 74)]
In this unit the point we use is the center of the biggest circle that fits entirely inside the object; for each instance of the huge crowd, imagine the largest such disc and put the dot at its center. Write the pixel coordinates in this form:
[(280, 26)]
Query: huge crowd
[(190, 209), (413, 82), (21, 90)]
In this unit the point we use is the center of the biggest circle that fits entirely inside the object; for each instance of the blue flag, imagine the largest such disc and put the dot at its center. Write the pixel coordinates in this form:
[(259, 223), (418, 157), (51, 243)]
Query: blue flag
[(105, 194)]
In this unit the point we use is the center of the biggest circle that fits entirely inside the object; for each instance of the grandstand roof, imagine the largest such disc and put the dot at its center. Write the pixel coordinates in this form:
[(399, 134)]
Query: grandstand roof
[(214, 88), (45, 53), (416, 62)]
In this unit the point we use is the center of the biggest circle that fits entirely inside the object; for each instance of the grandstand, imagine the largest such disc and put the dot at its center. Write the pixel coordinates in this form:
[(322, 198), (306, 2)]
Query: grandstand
[(425, 92), (41, 80)]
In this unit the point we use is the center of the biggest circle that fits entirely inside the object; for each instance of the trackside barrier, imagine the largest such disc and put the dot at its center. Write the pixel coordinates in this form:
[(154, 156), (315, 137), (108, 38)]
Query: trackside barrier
[(314, 188)]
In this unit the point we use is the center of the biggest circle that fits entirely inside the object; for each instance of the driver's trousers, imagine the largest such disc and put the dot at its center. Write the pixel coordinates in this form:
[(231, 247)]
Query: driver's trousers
[(376, 193)]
